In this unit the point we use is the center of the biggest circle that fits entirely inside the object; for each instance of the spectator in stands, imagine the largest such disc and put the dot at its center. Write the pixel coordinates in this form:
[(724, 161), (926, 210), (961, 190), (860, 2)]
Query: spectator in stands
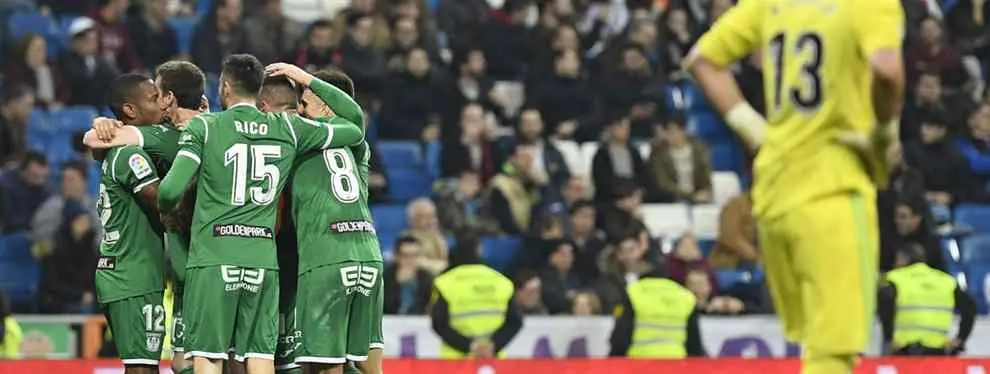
[(11, 335), (942, 166), (573, 191), (218, 34), (461, 21), (559, 281), (30, 67), (687, 257), (563, 38), (360, 60), (317, 51), (16, 103), (699, 282), (406, 36), (408, 284), (415, 101), (679, 165), (736, 243), (932, 53), (912, 227), (602, 22), (677, 40), (67, 274), (623, 263), (976, 148), (21, 193), (588, 240), (472, 84), (48, 218), (506, 40), (154, 39), (115, 42), (535, 252), (566, 99), (627, 89), (927, 95), (379, 29), (585, 304), (270, 34), (547, 159), (472, 149), (425, 228), (461, 207), (377, 178), (87, 73), (528, 294), (625, 215), (616, 161), (514, 192)]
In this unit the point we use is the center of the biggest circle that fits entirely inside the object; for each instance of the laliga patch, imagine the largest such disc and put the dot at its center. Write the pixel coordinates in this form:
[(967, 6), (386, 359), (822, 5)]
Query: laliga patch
[(139, 166)]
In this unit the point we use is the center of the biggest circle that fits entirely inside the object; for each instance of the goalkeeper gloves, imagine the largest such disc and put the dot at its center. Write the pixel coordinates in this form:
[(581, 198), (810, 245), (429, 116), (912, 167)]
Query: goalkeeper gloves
[(873, 148), (747, 123)]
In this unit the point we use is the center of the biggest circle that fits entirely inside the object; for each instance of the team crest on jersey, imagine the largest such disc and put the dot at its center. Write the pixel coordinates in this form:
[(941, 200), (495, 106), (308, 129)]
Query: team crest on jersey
[(139, 166), (153, 341)]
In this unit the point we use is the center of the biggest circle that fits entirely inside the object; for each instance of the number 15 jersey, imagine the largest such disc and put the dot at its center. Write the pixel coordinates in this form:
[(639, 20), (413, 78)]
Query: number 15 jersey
[(245, 158), (817, 80)]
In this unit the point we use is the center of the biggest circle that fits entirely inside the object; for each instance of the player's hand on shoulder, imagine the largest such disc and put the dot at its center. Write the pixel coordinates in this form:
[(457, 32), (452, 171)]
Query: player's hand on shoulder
[(106, 128), (293, 72)]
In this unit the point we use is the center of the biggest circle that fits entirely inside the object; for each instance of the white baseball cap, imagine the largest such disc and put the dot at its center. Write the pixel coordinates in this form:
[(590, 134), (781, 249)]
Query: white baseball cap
[(81, 25)]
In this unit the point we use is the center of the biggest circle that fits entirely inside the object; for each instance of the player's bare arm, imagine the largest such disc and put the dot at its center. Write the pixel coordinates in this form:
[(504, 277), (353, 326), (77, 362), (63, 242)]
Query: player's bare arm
[(342, 104), (108, 133), (148, 196), (888, 85)]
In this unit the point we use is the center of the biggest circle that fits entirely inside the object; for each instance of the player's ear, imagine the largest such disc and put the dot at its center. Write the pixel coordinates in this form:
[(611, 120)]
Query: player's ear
[(129, 110)]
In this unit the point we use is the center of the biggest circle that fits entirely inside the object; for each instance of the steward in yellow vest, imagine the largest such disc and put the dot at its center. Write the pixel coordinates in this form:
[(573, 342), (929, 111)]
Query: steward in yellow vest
[(916, 305), (472, 306), (658, 318)]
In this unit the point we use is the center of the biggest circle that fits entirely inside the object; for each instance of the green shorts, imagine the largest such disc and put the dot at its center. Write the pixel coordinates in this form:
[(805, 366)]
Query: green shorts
[(229, 306), (138, 327), (289, 335), (178, 251), (340, 309)]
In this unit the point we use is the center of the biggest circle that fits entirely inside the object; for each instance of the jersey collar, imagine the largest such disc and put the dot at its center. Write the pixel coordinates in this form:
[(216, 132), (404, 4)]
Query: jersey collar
[(243, 104)]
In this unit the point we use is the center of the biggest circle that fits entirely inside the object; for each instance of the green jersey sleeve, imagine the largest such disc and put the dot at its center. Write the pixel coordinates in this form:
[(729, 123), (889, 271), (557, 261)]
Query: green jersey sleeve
[(194, 137), (335, 132), (132, 168), (341, 103)]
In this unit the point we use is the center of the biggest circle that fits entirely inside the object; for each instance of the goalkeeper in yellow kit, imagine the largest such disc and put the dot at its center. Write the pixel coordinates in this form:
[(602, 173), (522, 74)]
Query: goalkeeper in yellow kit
[(833, 80)]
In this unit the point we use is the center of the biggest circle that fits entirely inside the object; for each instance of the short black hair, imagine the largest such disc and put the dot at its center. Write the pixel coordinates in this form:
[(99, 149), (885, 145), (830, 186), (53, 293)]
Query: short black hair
[(934, 116), (581, 204), (33, 157), (280, 89), (673, 119), (318, 24), (244, 73), (123, 90), (466, 250), (13, 92), (185, 80), (76, 165), (403, 241), (337, 79), (916, 205), (623, 188)]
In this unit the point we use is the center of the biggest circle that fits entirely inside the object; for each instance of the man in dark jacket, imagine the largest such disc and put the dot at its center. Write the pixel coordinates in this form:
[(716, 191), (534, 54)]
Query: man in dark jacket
[(941, 165), (86, 72)]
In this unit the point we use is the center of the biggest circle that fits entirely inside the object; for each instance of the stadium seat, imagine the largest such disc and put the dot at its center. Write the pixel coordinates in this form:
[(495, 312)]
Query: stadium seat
[(975, 216), (728, 278), (389, 219), (94, 179), (19, 279), (59, 150), (184, 27), (15, 247), (673, 98), (387, 244), (431, 157), (976, 249), (978, 279), (725, 157), (400, 154), (407, 184), (213, 92), (704, 220), (38, 130), (572, 155), (706, 246), (709, 128), (694, 99), (725, 186), (950, 250), (73, 119), (27, 22), (498, 251), (666, 220)]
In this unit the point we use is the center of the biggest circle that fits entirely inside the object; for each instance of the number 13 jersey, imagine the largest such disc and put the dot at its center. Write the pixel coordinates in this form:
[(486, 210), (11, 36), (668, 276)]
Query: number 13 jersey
[(245, 158)]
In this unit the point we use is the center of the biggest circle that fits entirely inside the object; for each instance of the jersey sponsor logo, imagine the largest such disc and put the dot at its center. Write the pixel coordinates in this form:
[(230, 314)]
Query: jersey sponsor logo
[(111, 237), (139, 165), (243, 231), (357, 278), (343, 227), (106, 263), (186, 139), (153, 341), (238, 278)]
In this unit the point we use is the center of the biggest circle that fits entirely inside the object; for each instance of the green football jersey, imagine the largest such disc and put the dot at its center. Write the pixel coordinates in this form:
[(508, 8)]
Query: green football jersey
[(132, 261), (245, 157), (330, 207), (161, 142)]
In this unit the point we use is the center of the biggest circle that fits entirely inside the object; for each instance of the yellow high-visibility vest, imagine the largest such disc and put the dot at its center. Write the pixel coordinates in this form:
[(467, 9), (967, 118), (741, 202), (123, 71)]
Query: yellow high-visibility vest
[(661, 308), (477, 300), (925, 305)]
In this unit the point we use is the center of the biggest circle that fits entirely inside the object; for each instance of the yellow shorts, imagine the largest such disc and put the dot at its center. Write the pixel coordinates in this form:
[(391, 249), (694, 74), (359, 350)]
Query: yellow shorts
[(821, 265)]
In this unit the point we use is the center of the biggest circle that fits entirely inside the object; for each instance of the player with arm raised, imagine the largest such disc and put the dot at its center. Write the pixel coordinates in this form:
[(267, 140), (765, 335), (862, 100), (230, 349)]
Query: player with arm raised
[(340, 262), (833, 86), (242, 157), (130, 272)]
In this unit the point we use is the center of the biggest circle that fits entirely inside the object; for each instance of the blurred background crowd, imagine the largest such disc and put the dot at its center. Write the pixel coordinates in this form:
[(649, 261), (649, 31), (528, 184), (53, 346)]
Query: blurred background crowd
[(563, 132)]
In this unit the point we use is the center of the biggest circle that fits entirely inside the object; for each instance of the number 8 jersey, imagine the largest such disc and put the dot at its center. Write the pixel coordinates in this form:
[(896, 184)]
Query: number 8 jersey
[(244, 158)]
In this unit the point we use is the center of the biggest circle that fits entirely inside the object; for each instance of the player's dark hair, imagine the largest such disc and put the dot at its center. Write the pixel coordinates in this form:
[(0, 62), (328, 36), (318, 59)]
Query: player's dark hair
[(581, 204), (123, 90), (244, 73), (13, 92), (280, 90), (33, 157), (403, 241), (185, 80), (337, 79), (76, 165)]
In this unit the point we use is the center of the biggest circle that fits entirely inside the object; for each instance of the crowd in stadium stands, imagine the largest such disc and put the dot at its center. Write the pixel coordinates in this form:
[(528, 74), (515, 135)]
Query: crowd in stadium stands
[(564, 131)]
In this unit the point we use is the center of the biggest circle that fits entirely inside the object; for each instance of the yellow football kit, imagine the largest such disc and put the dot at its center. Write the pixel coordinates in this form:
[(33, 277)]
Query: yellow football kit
[(814, 199)]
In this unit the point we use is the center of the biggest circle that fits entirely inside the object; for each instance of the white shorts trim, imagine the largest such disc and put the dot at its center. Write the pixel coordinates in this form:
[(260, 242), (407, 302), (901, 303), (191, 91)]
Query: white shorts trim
[(321, 360), (288, 366), (178, 349), (209, 355), (139, 361), (377, 346), (357, 358), (263, 356)]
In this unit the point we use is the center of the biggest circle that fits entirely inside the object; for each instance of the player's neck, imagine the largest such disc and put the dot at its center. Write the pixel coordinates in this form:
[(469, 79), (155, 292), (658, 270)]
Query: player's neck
[(242, 101)]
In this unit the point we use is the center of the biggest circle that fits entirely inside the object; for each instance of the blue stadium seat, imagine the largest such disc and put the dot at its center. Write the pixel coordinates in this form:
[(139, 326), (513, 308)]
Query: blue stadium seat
[(64, 22), (23, 23), (407, 184), (59, 150), (19, 279), (184, 28), (978, 285), (498, 251), (15, 247), (389, 219), (73, 119), (725, 157), (94, 179), (976, 249), (709, 128), (38, 130), (400, 154), (694, 99), (975, 216), (203, 7), (673, 97), (387, 244), (706, 246), (213, 92), (432, 158)]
